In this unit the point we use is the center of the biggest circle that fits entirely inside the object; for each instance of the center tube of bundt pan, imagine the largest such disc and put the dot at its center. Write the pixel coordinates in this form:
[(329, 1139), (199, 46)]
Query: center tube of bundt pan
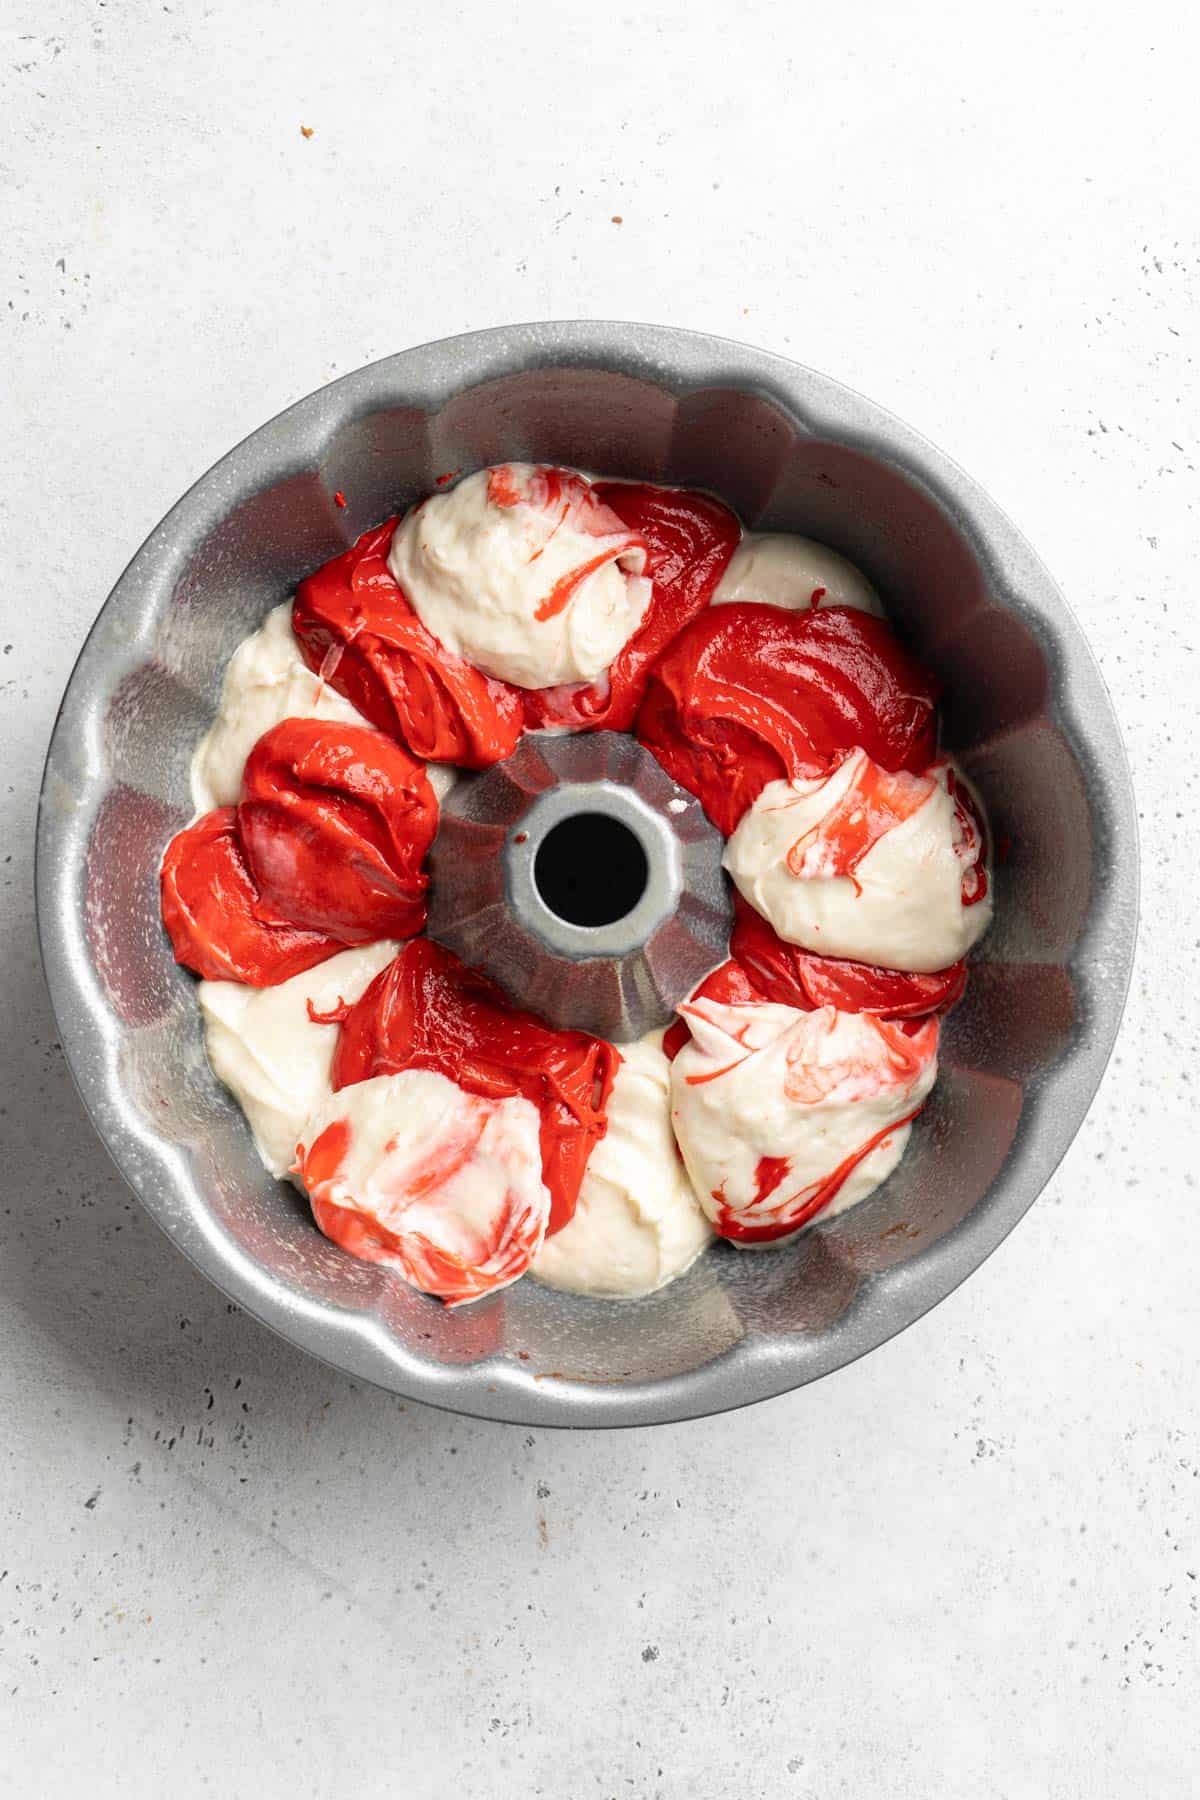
[(580, 877)]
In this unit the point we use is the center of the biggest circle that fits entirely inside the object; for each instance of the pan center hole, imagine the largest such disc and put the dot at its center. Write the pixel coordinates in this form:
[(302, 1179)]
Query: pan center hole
[(591, 869)]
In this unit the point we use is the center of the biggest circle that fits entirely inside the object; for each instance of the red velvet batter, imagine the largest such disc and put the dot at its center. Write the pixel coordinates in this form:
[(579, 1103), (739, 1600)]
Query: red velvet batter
[(769, 1178), (794, 977), (335, 821), (551, 490), (505, 1245), (328, 844), (218, 923), (749, 694), (427, 1010), (357, 630), (911, 1042), (728, 985), (689, 539), (875, 802), (973, 844), (762, 967)]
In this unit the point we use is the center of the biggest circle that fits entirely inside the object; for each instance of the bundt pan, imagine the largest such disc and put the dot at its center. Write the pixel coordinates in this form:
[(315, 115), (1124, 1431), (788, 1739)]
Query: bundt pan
[(1025, 710)]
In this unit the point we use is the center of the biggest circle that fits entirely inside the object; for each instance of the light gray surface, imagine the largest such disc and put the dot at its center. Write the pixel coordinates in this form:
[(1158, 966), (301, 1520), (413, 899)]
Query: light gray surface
[(968, 1565)]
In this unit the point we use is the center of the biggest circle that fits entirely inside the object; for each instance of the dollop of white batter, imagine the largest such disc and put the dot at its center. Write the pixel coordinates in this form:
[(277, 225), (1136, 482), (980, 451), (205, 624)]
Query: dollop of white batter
[(809, 1089), (777, 569), (638, 1223), (454, 1179), (901, 907), (479, 563), (271, 1055), (267, 681)]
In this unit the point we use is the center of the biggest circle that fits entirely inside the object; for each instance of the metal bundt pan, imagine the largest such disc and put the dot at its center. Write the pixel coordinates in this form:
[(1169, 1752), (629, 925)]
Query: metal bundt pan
[(1025, 709)]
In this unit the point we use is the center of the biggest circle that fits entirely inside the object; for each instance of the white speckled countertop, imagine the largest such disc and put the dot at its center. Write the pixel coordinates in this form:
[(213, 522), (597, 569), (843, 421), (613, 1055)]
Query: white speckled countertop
[(968, 1566)]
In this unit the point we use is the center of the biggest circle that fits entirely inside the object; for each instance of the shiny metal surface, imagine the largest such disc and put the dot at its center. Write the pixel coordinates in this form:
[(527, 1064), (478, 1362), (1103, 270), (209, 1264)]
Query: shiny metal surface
[(619, 979), (1025, 710)]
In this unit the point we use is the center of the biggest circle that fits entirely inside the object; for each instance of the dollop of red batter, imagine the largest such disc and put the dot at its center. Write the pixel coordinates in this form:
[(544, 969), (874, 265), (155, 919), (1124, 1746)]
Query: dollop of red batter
[(749, 694), (428, 1010), (762, 967), (689, 538), (359, 633), (793, 977), (218, 922), (335, 821)]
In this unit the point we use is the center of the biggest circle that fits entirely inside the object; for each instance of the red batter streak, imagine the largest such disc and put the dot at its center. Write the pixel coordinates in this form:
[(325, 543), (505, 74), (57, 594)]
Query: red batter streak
[(728, 985), (763, 968), (335, 821), (217, 920), (485, 1257), (689, 538), (749, 694), (908, 1044), (733, 1226), (792, 977), (971, 846), (357, 630), (874, 803), (427, 1010), (769, 1173), (561, 492), (320, 1164)]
